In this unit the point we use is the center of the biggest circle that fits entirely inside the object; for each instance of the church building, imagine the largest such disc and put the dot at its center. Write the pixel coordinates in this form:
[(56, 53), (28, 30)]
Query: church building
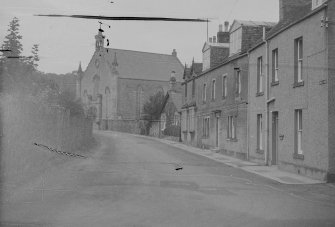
[(117, 82)]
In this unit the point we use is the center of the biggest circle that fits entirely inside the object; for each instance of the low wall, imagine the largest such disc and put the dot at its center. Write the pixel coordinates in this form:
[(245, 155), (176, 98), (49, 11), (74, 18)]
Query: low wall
[(25, 121), (128, 126)]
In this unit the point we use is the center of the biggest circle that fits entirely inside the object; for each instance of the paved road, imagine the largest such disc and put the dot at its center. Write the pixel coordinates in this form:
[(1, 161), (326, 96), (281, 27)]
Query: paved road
[(132, 181)]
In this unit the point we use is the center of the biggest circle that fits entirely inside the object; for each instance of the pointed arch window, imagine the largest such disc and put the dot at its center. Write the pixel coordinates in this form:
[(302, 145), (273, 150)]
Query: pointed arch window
[(107, 98), (139, 101), (96, 84)]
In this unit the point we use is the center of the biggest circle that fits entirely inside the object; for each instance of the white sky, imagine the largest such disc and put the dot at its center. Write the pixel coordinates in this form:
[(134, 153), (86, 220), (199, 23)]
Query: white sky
[(66, 41)]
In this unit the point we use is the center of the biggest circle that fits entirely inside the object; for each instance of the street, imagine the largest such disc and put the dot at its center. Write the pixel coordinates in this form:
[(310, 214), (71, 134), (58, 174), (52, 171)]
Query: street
[(136, 181)]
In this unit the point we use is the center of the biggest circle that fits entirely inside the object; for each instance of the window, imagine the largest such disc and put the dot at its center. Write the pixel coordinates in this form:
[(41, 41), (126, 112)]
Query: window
[(224, 86), (298, 62), (185, 90), (187, 120), (205, 128), (176, 119), (231, 128), (259, 132), (260, 75), (193, 88), (204, 90), (96, 84), (298, 132), (275, 65), (163, 121), (238, 82), (213, 89)]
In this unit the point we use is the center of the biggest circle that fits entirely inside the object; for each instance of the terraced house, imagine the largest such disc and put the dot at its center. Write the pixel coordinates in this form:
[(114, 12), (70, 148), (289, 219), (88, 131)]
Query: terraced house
[(271, 99), (291, 116), (222, 91)]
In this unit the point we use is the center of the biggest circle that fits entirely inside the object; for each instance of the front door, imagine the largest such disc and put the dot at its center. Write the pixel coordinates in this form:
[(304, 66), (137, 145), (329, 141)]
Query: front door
[(274, 138), (217, 132)]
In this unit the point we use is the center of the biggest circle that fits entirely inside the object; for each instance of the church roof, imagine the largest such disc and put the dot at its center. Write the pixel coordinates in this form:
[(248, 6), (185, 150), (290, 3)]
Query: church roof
[(144, 65)]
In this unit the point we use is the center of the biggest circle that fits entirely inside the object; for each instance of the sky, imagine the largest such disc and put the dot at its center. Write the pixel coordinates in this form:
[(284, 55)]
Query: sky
[(64, 42)]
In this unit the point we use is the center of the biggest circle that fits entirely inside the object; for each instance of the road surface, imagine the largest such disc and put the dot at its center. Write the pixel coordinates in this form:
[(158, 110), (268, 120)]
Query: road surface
[(132, 181)]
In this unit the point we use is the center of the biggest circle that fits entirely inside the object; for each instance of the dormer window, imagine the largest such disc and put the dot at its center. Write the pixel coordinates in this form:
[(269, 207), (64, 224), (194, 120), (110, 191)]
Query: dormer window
[(235, 41)]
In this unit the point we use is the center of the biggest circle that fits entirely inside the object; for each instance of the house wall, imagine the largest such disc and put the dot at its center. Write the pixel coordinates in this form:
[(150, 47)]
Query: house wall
[(256, 105), (331, 91), (189, 110), (312, 98), (231, 105)]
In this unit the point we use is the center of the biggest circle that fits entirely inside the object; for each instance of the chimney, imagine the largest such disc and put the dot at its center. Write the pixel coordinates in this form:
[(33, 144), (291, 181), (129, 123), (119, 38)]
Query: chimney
[(287, 8), (214, 39), (220, 28), (226, 26), (223, 36), (174, 53)]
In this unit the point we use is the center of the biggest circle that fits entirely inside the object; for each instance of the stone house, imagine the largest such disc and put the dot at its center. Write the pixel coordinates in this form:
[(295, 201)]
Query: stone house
[(171, 111), (189, 103), (222, 92), (291, 117), (117, 83)]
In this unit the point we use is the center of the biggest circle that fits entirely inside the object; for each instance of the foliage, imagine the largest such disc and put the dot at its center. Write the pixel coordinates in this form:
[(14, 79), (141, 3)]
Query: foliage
[(20, 74), (172, 130), (67, 100), (152, 108)]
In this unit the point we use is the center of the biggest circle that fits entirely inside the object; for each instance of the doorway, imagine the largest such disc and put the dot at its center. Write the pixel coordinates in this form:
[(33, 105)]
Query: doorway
[(274, 138), (217, 132)]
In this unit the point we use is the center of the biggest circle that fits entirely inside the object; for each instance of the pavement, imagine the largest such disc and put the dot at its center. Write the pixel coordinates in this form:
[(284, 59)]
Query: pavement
[(270, 172)]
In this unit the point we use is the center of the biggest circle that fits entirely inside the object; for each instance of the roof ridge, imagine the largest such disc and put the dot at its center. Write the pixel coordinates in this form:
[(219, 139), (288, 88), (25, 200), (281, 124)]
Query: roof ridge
[(141, 51)]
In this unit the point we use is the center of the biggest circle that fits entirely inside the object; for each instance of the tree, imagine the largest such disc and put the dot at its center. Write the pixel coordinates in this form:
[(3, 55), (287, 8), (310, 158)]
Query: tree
[(153, 106), (12, 40), (32, 61)]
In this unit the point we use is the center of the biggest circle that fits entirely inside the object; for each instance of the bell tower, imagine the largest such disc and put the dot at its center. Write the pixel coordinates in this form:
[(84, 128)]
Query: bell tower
[(99, 40)]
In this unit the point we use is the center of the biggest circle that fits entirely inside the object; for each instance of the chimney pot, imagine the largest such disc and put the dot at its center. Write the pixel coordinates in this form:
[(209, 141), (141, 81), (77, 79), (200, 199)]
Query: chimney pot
[(220, 28), (210, 40), (174, 53), (214, 39)]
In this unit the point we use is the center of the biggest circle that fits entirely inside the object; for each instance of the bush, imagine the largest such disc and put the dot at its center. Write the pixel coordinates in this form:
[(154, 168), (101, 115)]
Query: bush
[(172, 130)]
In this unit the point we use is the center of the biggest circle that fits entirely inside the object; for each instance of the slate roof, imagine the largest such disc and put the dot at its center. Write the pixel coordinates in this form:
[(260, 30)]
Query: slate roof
[(176, 99), (144, 65), (250, 24)]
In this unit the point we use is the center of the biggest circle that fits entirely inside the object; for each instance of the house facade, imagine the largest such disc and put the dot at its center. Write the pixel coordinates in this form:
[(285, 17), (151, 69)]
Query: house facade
[(291, 123)]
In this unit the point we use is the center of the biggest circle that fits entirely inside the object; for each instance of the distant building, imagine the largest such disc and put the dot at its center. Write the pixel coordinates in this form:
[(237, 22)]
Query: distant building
[(116, 83)]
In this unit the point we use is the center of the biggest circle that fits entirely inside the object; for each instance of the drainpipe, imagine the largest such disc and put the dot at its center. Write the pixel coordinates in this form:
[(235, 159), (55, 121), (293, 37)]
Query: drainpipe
[(266, 103)]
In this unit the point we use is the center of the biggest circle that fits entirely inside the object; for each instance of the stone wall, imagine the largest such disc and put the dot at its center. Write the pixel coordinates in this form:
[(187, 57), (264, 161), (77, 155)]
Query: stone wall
[(25, 121)]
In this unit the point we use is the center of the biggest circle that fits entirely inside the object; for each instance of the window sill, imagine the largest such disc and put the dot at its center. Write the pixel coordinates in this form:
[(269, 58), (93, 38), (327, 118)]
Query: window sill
[(259, 94), (298, 156), (298, 84), (274, 83), (258, 151), (185, 131), (232, 140)]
